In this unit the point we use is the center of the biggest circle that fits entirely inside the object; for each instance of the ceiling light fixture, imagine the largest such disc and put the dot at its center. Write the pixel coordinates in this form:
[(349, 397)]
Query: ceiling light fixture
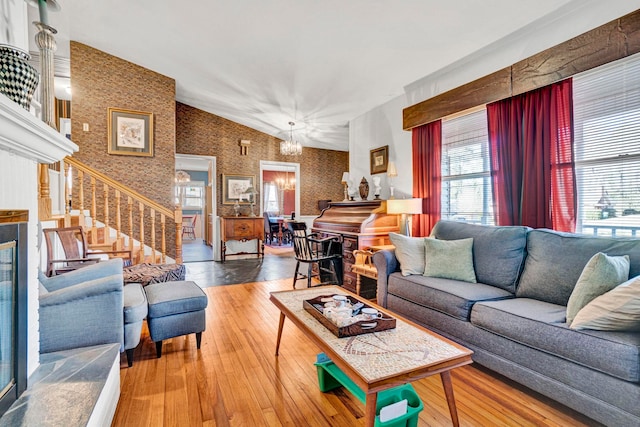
[(290, 147)]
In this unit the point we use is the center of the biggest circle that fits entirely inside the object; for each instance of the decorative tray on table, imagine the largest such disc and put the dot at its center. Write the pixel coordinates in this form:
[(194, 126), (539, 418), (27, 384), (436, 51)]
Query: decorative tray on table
[(316, 306)]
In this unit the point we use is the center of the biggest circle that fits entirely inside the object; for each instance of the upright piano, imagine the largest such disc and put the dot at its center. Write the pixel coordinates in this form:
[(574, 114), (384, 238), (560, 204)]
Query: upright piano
[(361, 224)]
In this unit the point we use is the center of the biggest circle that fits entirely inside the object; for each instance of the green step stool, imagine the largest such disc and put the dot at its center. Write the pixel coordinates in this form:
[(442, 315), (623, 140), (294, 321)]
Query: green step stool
[(331, 377)]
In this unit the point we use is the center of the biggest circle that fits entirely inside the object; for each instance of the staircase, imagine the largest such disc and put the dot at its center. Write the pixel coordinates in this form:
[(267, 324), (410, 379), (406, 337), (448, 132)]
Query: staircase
[(116, 217)]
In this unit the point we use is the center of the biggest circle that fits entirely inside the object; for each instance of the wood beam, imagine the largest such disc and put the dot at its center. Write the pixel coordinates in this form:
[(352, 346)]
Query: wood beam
[(609, 42), (486, 89)]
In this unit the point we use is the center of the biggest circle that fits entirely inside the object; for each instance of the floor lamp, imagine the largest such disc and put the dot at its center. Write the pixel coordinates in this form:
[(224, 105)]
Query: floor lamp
[(405, 207)]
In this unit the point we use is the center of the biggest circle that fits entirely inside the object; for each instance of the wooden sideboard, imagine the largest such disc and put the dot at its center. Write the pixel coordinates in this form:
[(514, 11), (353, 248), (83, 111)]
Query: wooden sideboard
[(241, 228), (361, 224)]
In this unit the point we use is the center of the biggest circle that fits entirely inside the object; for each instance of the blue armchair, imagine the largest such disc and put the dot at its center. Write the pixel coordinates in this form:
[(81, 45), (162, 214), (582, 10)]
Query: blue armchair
[(91, 306)]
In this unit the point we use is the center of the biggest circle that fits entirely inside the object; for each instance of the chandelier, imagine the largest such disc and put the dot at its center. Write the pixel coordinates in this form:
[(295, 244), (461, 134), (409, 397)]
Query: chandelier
[(286, 184), (182, 177), (290, 147)]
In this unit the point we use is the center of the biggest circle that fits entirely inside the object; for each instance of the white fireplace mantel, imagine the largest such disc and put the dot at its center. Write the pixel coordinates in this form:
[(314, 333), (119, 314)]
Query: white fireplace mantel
[(27, 136), (26, 141)]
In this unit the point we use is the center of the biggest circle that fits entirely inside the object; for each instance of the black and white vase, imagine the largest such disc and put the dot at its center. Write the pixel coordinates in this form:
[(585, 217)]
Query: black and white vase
[(18, 79)]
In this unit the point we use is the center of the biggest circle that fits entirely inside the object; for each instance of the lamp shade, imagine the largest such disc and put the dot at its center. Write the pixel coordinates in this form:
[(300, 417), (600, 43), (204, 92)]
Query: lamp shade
[(391, 170), (404, 206), (345, 177)]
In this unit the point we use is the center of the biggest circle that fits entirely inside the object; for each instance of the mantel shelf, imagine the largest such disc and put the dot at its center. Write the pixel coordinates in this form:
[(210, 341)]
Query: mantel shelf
[(27, 136)]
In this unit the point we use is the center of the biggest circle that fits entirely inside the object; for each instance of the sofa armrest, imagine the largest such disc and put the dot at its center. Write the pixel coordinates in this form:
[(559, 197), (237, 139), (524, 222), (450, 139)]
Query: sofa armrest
[(86, 314), (112, 267), (386, 263)]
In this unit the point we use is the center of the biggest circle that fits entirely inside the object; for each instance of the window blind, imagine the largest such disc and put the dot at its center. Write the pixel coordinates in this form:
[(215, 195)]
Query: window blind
[(607, 147), (466, 180)]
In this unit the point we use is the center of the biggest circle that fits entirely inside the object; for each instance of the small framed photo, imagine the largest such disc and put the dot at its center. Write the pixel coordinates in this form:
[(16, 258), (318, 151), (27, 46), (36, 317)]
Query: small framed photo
[(130, 133), (379, 159), (234, 188)]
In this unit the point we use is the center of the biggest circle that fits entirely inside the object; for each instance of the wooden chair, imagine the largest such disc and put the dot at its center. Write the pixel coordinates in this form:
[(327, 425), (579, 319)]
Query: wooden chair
[(312, 249), (72, 243), (190, 229), (271, 230)]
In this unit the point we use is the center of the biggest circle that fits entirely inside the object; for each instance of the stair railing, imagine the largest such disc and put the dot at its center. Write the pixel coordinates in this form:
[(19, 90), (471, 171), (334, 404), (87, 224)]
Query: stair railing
[(139, 211)]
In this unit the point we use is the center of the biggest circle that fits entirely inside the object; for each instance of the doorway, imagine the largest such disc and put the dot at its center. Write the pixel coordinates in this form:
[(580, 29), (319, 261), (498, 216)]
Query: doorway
[(195, 192), (280, 184)]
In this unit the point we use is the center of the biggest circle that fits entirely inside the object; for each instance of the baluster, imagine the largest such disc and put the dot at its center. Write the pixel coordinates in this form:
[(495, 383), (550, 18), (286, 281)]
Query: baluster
[(163, 240), (81, 219), (105, 194), (141, 213), (67, 195), (118, 222), (94, 228), (130, 210), (152, 212)]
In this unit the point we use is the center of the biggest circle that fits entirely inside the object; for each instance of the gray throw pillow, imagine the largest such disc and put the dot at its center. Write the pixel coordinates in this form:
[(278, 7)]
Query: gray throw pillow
[(449, 259), (410, 253), (617, 310), (601, 274)]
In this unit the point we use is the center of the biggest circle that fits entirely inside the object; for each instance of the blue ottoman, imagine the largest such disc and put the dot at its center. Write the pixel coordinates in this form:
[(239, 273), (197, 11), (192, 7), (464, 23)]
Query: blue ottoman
[(175, 308)]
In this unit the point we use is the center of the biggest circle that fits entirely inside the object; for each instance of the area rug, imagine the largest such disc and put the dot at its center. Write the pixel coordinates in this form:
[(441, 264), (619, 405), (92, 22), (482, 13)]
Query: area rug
[(279, 250), (238, 271)]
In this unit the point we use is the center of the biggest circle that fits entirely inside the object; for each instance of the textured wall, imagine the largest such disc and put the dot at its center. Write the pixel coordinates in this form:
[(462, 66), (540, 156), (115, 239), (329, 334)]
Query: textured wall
[(99, 81), (202, 133)]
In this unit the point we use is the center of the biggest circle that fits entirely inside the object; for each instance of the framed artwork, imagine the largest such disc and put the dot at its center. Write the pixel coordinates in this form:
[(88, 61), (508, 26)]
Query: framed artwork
[(130, 133), (234, 187), (379, 159)]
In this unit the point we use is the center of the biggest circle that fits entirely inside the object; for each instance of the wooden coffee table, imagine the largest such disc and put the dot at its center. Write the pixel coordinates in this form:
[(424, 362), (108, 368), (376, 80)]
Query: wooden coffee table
[(379, 360)]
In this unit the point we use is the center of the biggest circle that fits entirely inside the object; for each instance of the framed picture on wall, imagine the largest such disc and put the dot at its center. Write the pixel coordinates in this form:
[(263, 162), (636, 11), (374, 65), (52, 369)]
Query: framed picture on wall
[(234, 188), (130, 133), (379, 160)]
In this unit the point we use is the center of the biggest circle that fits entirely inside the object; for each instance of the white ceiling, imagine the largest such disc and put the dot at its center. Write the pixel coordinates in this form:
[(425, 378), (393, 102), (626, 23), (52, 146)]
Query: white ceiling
[(263, 63)]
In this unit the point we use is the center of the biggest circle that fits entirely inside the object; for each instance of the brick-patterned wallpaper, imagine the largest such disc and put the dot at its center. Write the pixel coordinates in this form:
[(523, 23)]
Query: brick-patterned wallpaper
[(199, 132), (99, 81)]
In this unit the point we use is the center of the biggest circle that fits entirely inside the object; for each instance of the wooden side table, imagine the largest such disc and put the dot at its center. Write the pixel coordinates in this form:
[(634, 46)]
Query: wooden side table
[(242, 228), (363, 264)]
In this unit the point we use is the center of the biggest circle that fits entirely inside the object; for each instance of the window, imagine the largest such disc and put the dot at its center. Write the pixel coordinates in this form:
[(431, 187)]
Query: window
[(271, 199), (191, 193), (466, 176), (607, 148)]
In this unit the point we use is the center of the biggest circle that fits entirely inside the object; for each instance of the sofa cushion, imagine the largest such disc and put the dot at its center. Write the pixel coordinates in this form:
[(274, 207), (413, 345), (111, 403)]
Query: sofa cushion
[(452, 297), (601, 274), (410, 253), (449, 259), (555, 261), (498, 252), (541, 325), (617, 310)]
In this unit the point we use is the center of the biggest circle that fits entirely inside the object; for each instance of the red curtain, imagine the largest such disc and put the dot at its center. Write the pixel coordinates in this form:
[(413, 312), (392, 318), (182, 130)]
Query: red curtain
[(531, 148), (427, 149), (505, 128)]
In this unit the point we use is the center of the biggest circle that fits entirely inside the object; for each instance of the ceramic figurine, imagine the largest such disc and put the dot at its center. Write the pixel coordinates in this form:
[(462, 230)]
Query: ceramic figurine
[(364, 189), (376, 187)]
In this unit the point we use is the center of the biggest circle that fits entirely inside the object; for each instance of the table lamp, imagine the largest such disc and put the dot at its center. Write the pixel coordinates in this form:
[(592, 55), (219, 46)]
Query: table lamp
[(405, 207), (345, 182), (391, 173)]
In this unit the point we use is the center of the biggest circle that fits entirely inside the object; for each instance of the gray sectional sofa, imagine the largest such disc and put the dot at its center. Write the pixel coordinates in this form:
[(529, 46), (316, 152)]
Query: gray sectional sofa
[(514, 317)]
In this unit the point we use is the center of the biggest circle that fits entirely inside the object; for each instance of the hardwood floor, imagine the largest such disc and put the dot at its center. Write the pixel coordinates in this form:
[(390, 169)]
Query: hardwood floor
[(235, 379)]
